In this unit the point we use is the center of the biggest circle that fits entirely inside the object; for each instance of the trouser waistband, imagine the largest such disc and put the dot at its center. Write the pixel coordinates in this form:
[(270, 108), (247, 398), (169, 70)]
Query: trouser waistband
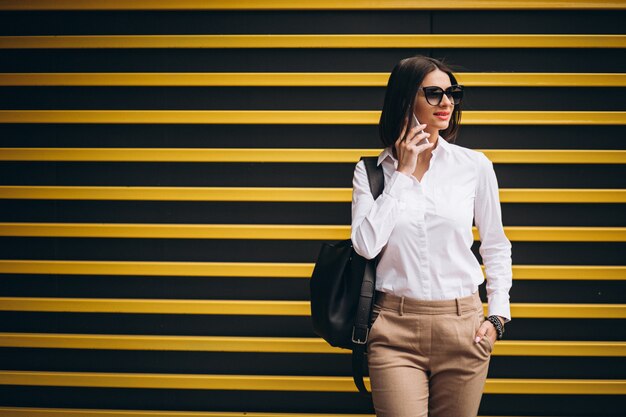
[(410, 305)]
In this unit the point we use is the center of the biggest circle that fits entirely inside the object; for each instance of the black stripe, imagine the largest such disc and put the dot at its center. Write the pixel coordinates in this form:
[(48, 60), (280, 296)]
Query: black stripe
[(280, 401), (237, 288), (297, 136), (305, 59), (311, 22), (271, 326), (296, 364), (297, 98), (198, 174), (189, 212), (255, 250)]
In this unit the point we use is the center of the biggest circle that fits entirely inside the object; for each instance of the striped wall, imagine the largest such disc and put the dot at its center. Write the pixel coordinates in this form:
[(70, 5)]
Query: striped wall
[(169, 169)]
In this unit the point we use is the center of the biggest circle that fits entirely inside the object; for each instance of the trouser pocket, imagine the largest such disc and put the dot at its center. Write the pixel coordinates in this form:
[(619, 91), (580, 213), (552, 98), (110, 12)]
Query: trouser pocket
[(485, 341)]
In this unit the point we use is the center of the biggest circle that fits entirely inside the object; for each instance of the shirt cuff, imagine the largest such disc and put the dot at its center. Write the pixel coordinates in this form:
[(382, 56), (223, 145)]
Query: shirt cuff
[(499, 306), (398, 183)]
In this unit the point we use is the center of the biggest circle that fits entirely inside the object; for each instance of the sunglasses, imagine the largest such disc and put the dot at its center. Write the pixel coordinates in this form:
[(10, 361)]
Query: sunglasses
[(434, 95)]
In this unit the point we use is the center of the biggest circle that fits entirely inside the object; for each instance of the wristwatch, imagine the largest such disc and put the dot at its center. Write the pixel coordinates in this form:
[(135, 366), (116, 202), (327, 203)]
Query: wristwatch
[(498, 325)]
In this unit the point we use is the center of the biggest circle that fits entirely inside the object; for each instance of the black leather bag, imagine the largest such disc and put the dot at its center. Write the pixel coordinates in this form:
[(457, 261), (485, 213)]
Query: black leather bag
[(342, 290)]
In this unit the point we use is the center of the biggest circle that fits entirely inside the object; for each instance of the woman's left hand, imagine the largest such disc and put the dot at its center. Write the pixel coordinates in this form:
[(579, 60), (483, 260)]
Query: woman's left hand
[(486, 329)]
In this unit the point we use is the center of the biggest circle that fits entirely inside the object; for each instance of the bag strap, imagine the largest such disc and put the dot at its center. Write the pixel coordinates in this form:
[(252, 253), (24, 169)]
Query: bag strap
[(360, 331), (361, 326), (375, 175)]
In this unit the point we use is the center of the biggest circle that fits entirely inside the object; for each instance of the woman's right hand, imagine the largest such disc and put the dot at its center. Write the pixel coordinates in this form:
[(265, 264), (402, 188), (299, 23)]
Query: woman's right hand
[(407, 151)]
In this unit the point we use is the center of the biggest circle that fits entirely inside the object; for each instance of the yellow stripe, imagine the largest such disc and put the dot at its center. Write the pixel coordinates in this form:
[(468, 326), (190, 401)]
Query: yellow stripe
[(288, 383), (279, 344), (506, 156), (563, 234), (189, 269), (312, 5), (327, 195), (268, 308), (318, 117), (568, 272), (269, 270), (280, 232), (301, 79), (538, 79), (314, 41), (177, 231), (278, 194), (84, 412), (556, 195)]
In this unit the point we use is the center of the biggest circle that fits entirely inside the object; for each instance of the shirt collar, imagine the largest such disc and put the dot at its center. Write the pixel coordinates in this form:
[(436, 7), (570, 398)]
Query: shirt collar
[(384, 154), (441, 144)]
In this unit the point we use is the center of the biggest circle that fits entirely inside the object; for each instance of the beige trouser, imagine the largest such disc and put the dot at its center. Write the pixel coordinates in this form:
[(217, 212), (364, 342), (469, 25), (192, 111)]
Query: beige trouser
[(422, 357)]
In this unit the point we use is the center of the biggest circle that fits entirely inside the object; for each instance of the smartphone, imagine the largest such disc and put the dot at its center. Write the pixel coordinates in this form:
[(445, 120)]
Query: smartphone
[(414, 123)]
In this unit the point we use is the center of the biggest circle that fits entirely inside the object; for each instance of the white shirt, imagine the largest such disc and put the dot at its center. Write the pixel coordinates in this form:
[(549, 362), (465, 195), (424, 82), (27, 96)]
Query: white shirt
[(424, 229)]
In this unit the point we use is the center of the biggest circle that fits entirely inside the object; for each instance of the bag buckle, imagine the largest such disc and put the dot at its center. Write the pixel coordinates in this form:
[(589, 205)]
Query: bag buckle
[(357, 340)]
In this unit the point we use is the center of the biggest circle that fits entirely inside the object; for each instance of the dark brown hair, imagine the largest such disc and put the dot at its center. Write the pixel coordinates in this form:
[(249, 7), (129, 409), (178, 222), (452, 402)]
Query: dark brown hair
[(406, 77)]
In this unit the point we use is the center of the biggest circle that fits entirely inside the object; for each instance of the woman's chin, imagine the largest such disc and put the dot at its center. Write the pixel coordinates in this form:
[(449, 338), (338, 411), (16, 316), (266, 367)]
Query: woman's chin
[(441, 124)]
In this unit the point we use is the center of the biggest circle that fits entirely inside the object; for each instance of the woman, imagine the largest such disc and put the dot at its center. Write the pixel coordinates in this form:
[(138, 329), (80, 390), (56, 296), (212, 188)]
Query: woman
[(430, 345)]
